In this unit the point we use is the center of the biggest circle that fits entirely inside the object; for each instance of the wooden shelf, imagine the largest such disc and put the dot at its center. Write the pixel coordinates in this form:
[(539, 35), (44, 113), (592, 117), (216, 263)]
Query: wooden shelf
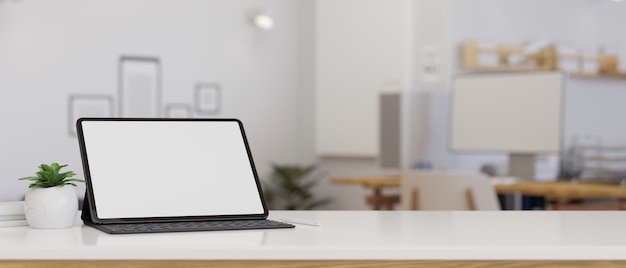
[(544, 60), (598, 75), (508, 68)]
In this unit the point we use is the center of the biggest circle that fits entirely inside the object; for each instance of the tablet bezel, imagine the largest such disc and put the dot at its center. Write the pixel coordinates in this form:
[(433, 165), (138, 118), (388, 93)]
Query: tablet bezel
[(91, 201)]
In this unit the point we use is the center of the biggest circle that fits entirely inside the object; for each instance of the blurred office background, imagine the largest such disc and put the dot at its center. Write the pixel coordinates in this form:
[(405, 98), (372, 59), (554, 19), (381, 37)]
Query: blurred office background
[(306, 77)]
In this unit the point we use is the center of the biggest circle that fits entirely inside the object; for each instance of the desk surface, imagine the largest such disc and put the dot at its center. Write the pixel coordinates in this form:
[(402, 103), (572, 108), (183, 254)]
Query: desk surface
[(350, 235), (556, 189)]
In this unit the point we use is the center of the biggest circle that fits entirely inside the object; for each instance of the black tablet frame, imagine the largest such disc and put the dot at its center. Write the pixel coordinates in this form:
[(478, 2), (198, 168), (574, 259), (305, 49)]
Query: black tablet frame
[(90, 211)]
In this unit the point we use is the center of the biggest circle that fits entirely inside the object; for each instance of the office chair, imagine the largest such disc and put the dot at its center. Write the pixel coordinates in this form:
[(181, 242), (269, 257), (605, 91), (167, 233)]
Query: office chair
[(447, 190)]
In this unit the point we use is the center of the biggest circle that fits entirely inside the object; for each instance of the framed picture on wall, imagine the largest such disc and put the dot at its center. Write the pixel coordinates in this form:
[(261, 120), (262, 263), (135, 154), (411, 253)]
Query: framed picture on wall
[(139, 87), (207, 98), (86, 105)]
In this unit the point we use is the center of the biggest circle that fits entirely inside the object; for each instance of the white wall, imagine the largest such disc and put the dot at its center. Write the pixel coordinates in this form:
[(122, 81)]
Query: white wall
[(428, 72), (596, 108), (50, 49), (306, 86)]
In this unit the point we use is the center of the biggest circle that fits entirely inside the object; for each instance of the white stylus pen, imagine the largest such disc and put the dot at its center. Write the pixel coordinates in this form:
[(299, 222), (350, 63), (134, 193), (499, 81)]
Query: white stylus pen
[(300, 222)]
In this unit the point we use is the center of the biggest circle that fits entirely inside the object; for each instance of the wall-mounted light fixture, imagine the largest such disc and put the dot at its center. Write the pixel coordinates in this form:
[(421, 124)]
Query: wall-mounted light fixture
[(263, 21)]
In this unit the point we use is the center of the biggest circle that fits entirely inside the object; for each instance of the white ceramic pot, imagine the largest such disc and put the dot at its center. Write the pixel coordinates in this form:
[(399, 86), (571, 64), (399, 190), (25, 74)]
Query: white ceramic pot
[(51, 208)]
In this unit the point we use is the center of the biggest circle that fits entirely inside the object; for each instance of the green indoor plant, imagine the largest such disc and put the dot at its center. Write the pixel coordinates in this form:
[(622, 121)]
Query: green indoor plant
[(50, 201), (50, 176), (290, 187)]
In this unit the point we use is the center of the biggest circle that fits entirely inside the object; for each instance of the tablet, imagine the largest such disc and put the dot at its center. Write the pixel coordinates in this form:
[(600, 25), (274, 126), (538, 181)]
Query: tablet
[(153, 170)]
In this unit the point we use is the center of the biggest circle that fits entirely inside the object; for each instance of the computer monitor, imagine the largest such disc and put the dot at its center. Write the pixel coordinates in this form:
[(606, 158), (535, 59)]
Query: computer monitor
[(517, 113)]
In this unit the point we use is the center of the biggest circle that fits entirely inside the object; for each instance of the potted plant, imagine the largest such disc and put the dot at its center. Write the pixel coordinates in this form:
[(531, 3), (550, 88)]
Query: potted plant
[(290, 187), (50, 201)]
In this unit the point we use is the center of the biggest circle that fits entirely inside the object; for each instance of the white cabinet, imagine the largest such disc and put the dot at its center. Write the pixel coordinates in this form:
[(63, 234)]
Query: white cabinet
[(360, 48)]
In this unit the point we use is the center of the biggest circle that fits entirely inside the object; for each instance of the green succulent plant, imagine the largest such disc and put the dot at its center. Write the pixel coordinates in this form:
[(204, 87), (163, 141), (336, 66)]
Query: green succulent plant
[(49, 176)]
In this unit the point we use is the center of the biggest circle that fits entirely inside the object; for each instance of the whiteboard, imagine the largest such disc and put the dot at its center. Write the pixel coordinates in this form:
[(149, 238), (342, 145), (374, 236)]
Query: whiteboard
[(507, 112)]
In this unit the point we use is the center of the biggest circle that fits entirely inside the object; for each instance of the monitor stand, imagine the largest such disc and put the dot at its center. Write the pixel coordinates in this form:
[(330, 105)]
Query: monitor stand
[(522, 166)]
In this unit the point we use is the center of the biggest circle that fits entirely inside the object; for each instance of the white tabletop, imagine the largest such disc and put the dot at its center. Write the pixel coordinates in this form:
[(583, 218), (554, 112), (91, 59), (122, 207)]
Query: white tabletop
[(351, 235)]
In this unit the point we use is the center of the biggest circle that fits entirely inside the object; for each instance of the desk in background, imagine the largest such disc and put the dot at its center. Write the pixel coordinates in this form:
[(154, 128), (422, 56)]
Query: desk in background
[(557, 195), (347, 239)]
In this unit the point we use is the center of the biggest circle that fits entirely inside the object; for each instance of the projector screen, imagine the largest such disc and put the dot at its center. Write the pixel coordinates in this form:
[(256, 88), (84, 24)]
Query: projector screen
[(519, 113)]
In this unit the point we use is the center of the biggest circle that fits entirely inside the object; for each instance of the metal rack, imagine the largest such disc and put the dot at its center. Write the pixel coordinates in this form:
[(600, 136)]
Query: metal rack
[(601, 162)]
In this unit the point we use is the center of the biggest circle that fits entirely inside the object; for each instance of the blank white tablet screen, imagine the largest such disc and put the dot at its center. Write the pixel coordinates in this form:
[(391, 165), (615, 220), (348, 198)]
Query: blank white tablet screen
[(169, 168)]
